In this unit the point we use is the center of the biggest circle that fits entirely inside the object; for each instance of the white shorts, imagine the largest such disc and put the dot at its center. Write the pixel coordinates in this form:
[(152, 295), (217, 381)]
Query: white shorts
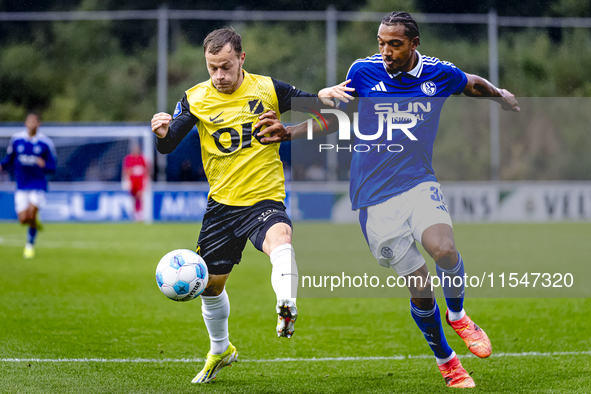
[(22, 199), (392, 227)]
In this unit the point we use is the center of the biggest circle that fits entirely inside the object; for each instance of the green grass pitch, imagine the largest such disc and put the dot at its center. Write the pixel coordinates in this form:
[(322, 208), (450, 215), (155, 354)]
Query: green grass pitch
[(91, 294)]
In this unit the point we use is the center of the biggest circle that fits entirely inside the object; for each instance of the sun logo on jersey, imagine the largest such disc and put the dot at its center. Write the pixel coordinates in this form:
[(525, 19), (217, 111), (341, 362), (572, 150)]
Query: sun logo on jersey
[(429, 88)]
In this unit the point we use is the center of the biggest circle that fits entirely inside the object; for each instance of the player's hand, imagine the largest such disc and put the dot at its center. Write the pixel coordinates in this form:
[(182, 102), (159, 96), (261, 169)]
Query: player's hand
[(160, 123), (338, 91), (41, 162), (508, 103), (278, 132)]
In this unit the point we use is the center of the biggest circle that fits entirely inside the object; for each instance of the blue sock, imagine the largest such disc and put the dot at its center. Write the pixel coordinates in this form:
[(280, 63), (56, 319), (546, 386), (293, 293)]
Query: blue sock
[(31, 234), (429, 323), (454, 296)]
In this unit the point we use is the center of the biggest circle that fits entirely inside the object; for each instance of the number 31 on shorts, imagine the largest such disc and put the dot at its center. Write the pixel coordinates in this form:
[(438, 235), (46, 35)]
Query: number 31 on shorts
[(438, 197)]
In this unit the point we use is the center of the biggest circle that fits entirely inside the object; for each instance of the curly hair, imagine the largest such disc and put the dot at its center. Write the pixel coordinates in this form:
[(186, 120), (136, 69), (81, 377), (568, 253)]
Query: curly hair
[(411, 28)]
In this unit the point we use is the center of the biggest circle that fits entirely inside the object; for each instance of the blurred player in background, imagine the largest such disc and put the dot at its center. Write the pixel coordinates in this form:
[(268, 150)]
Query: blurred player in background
[(134, 178), (31, 155), (246, 182)]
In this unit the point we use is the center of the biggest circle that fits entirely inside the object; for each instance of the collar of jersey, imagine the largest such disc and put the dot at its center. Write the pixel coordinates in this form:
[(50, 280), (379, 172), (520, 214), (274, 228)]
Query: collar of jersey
[(241, 89), (32, 139), (415, 72)]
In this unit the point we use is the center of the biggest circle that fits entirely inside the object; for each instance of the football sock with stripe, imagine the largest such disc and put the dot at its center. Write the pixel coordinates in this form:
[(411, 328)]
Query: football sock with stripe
[(31, 235), (454, 295), (284, 276), (429, 322), (216, 311)]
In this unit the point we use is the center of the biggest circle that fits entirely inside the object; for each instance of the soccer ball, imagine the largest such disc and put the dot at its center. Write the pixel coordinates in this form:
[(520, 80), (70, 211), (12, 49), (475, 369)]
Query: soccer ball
[(182, 275)]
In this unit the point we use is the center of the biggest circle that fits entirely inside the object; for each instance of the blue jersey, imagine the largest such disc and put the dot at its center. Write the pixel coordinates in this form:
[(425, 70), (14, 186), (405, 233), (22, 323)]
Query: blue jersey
[(22, 156), (378, 174)]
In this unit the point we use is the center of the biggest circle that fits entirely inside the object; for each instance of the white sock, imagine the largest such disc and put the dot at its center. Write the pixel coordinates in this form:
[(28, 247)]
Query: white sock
[(284, 276), (441, 361), (216, 311), (455, 316)]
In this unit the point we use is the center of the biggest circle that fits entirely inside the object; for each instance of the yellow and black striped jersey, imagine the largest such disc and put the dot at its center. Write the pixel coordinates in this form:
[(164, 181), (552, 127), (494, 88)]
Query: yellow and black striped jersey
[(241, 171)]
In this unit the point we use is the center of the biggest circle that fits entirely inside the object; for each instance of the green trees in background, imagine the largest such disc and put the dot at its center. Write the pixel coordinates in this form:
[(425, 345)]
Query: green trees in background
[(87, 71), (78, 71)]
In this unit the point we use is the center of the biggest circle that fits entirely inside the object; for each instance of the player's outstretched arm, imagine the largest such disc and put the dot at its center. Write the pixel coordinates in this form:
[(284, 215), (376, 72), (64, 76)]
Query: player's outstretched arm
[(340, 92), (480, 87), (279, 133), (160, 123), (285, 92)]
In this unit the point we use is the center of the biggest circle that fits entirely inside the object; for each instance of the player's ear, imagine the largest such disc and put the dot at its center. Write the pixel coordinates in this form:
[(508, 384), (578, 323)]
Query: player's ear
[(242, 57), (415, 42)]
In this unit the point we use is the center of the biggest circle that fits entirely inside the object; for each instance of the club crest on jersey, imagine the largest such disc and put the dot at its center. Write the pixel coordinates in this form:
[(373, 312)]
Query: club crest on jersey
[(429, 88), (177, 110), (36, 149), (256, 106)]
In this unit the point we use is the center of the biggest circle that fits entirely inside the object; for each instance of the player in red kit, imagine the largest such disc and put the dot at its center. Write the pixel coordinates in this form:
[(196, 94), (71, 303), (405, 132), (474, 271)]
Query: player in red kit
[(135, 172)]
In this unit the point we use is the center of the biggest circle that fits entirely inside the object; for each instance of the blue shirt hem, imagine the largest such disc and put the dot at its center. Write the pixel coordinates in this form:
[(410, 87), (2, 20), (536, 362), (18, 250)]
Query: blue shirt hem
[(383, 198)]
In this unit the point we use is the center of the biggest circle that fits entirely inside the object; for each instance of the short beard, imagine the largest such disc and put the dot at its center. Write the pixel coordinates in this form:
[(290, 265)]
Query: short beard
[(231, 89)]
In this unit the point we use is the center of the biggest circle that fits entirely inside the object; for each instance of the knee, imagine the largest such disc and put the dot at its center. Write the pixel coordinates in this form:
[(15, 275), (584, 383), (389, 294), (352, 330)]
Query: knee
[(280, 240), (445, 254), (277, 235)]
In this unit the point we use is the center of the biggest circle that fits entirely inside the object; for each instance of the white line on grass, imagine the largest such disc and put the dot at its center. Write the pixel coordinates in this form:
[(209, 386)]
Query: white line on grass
[(59, 244), (277, 360), (19, 241)]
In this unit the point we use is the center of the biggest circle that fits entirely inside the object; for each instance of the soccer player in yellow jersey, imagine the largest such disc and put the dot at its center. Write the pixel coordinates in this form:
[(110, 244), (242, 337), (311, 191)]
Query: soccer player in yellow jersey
[(245, 176)]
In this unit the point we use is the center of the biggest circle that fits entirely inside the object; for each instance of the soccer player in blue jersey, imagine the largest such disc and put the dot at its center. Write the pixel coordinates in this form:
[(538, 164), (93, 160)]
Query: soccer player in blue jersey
[(32, 156), (396, 192), (397, 195)]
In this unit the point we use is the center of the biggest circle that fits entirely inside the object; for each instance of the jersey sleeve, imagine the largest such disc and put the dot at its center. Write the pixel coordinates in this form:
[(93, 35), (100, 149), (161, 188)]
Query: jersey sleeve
[(9, 158), (182, 122), (457, 78), (286, 92)]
